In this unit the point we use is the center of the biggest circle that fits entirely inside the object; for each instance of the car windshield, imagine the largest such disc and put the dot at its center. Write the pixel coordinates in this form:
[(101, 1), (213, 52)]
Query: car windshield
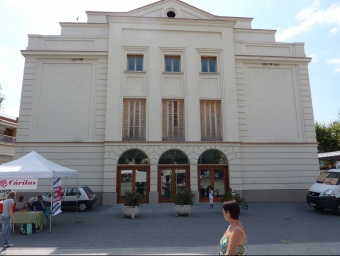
[(333, 175), (332, 178)]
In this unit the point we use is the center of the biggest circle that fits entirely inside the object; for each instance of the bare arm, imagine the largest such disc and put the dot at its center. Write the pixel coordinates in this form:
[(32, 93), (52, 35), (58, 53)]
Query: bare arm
[(235, 240), (10, 209)]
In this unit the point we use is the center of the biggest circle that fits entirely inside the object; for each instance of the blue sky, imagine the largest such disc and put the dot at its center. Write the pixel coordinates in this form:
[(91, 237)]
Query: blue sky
[(315, 23)]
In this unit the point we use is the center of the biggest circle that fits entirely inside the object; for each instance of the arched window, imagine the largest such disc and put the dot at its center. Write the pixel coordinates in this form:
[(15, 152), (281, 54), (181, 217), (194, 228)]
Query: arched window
[(133, 156), (212, 156), (173, 156)]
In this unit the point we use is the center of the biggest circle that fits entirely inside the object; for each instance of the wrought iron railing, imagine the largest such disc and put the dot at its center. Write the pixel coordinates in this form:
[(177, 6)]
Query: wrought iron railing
[(7, 139)]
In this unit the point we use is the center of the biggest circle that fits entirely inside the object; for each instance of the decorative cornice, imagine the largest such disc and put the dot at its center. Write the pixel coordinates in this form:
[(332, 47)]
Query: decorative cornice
[(62, 54), (261, 58)]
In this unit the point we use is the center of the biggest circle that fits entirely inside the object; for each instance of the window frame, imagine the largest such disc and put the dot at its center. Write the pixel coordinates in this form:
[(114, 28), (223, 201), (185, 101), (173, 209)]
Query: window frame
[(135, 64), (172, 58), (208, 59)]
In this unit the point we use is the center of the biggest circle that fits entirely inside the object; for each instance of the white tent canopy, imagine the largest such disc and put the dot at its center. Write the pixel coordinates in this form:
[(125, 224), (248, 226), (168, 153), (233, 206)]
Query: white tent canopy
[(34, 165)]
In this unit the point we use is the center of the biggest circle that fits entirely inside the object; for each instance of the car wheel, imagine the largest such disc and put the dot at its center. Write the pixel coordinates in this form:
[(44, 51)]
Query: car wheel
[(82, 207), (318, 208), (337, 209)]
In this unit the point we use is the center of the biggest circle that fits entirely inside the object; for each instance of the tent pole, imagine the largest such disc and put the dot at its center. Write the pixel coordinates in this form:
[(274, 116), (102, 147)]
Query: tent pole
[(51, 205), (77, 198)]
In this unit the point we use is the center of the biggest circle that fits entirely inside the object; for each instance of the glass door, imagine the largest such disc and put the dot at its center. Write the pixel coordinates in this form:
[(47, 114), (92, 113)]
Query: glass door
[(218, 184), (133, 179), (166, 184), (216, 177), (170, 180)]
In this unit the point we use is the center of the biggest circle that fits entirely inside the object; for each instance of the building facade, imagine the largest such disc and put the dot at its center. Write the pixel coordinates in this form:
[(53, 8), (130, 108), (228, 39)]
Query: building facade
[(8, 131), (169, 95)]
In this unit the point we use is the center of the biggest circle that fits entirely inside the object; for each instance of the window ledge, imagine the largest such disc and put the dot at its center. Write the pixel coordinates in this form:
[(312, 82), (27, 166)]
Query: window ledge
[(134, 72), (172, 73), (210, 73)]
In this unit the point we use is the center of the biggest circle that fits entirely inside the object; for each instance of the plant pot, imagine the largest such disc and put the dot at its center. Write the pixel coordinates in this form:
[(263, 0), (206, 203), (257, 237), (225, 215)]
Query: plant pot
[(182, 209), (130, 211)]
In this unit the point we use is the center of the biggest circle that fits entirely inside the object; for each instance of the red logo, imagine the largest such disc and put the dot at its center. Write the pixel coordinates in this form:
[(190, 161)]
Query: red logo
[(3, 183)]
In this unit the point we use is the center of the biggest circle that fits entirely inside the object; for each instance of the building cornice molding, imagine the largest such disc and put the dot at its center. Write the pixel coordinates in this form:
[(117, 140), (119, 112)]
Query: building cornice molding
[(280, 59), (167, 21), (63, 54)]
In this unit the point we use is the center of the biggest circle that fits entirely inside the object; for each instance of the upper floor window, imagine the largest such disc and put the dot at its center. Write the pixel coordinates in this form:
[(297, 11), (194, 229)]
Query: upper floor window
[(134, 119), (135, 62), (172, 63), (211, 127), (208, 64), (173, 120)]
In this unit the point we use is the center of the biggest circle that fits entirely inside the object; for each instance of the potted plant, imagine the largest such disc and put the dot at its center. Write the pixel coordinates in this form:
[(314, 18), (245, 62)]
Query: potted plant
[(184, 198), (132, 201)]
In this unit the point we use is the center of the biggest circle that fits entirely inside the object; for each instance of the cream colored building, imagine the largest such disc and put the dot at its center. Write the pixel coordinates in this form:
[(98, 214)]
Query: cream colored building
[(8, 130), (169, 94)]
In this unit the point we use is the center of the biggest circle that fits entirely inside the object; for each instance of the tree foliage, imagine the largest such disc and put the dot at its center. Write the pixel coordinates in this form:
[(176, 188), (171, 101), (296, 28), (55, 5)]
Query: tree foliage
[(328, 136)]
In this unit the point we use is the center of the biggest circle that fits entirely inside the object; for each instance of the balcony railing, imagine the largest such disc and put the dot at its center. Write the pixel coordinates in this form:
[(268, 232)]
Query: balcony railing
[(7, 139)]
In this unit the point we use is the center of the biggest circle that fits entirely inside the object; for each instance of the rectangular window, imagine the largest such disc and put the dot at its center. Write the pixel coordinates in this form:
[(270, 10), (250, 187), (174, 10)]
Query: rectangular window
[(134, 119), (211, 128), (208, 64), (172, 63), (135, 62), (173, 120)]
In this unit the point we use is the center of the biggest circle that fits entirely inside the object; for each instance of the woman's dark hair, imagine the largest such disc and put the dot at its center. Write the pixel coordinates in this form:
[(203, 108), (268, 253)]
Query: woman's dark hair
[(232, 207)]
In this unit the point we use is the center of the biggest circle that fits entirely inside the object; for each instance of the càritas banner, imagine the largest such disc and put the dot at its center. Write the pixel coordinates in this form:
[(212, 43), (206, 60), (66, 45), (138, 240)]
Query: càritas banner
[(56, 206), (17, 184)]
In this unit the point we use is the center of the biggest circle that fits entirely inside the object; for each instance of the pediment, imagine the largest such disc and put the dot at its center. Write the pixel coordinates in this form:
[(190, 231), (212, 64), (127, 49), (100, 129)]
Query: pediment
[(164, 8)]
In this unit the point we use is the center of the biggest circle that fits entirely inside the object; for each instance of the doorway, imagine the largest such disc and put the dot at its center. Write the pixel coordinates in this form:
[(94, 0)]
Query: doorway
[(213, 171), (170, 180), (215, 176), (173, 173), (133, 179), (133, 174)]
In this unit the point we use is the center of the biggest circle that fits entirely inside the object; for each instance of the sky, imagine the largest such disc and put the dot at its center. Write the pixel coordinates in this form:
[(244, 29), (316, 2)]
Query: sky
[(312, 22)]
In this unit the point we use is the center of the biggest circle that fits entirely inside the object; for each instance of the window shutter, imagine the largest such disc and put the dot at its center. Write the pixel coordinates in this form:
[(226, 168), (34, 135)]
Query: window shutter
[(173, 120), (133, 119), (210, 121)]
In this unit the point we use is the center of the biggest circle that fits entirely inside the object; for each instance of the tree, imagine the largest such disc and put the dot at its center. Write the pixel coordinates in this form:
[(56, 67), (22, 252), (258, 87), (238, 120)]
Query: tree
[(2, 98), (328, 136)]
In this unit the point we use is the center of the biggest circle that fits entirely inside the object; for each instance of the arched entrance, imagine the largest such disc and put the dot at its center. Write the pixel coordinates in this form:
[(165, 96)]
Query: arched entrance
[(173, 173), (133, 174), (212, 169)]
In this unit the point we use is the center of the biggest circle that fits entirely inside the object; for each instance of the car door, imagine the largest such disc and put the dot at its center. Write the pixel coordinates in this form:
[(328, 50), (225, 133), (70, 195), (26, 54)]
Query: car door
[(70, 197)]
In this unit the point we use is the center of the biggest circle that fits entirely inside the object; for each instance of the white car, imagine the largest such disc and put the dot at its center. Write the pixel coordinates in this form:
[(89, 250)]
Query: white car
[(82, 197), (325, 193)]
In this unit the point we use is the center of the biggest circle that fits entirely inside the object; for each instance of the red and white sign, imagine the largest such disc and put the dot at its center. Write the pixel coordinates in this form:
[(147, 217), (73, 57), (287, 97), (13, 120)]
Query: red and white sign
[(24, 184), (56, 206)]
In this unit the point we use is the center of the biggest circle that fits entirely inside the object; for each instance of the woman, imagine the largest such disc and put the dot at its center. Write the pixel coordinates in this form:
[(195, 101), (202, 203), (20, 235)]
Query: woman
[(6, 218), (234, 240), (21, 205)]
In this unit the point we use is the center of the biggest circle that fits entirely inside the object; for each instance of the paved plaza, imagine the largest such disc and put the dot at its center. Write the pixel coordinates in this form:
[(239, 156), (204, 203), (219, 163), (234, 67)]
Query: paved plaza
[(273, 229)]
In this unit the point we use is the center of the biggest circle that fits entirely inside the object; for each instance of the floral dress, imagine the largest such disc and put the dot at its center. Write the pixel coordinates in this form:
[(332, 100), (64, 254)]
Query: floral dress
[(241, 250)]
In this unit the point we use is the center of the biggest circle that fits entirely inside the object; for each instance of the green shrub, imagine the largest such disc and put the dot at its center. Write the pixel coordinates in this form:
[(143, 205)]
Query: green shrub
[(133, 198), (184, 196), (228, 195)]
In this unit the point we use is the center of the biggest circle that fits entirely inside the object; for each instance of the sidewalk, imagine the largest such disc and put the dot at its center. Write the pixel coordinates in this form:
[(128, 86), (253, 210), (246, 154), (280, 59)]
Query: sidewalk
[(273, 229), (273, 249)]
